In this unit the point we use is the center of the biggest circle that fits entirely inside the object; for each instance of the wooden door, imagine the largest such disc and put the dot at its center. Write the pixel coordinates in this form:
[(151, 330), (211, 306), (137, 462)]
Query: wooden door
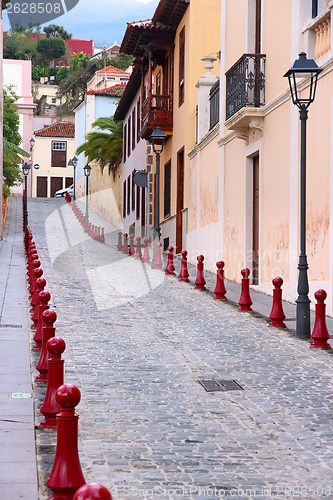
[(255, 264), (68, 181), (56, 184), (180, 200), (41, 187)]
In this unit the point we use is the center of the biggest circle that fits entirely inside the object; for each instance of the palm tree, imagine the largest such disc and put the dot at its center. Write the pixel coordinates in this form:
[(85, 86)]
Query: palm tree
[(104, 147)]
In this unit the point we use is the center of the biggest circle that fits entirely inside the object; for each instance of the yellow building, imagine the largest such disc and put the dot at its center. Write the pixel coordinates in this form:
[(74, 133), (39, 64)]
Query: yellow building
[(168, 49)]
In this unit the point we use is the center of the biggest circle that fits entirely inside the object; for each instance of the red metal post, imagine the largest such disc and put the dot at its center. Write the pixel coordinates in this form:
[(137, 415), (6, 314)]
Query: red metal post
[(158, 260), (39, 287), (66, 475), (138, 255), (102, 235), (120, 245), (245, 301), (92, 491), (131, 245), (200, 280), (277, 315), (220, 290), (55, 347), (320, 333), (146, 251), (125, 246), (184, 274), (48, 317), (170, 268), (43, 299)]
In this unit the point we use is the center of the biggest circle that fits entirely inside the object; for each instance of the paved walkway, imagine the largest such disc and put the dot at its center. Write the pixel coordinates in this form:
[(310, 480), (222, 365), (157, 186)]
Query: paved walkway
[(18, 474), (139, 342), (138, 345)]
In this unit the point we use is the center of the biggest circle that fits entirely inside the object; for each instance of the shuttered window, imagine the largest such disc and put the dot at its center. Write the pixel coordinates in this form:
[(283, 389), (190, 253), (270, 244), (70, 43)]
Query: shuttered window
[(182, 66), (58, 153)]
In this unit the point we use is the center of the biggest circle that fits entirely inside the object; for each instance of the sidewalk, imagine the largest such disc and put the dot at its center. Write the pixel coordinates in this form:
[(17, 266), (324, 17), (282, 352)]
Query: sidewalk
[(18, 474)]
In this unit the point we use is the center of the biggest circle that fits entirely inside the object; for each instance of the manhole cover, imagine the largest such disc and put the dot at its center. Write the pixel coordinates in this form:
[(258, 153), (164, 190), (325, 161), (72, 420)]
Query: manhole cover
[(20, 395), (213, 385)]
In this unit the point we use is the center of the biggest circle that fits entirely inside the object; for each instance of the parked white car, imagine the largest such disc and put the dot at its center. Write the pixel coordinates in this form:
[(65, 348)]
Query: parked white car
[(61, 193)]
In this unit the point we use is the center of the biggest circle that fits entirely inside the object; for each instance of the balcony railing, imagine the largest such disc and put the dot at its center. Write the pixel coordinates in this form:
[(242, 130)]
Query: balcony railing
[(245, 83), (156, 112), (214, 104)]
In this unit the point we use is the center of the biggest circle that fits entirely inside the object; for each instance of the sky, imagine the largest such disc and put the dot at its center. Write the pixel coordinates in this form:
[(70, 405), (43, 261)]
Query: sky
[(103, 21)]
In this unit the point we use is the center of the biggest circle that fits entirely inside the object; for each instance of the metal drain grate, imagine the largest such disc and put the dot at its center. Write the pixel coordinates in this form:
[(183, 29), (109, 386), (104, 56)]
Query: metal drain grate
[(213, 385)]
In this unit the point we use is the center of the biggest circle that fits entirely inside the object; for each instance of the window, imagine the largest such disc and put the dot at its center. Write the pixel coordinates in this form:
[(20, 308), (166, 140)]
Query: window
[(58, 154), (138, 125), (181, 66), (128, 195), (124, 199), (133, 192), (133, 128), (314, 8), (167, 188), (158, 83), (137, 202), (129, 137), (125, 141), (53, 100)]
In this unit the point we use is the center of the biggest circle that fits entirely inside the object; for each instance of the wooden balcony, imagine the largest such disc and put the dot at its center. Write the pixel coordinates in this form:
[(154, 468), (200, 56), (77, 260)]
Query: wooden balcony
[(156, 111)]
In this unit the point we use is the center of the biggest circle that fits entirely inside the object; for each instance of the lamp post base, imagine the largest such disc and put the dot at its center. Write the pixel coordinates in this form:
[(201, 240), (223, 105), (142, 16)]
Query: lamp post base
[(303, 301)]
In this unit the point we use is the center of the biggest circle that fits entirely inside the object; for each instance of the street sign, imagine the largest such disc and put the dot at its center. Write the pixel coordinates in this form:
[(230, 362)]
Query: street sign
[(140, 178)]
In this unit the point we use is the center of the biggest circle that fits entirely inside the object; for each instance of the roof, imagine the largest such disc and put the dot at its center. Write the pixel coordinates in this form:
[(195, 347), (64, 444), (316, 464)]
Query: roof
[(115, 91), (158, 31), (78, 45), (111, 70), (58, 129), (129, 93)]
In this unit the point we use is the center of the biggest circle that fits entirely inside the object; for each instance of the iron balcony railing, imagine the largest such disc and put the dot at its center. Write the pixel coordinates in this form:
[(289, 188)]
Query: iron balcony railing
[(214, 104), (245, 83)]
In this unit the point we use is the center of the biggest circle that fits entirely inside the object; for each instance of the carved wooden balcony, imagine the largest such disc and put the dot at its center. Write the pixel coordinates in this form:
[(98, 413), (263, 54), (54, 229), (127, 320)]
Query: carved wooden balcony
[(156, 111)]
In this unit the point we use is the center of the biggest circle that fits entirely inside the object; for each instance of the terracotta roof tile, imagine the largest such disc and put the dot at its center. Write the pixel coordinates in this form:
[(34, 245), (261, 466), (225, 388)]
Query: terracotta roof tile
[(111, 70), (114, 91), (58, 129)]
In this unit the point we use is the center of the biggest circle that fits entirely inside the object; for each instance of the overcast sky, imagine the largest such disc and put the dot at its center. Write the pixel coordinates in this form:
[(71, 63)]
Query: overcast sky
[(103, 21)]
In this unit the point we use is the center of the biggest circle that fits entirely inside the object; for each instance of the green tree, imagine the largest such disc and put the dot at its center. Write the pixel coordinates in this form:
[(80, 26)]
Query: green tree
[(104, 147), (51, 48), (53, 30), (11, 151)]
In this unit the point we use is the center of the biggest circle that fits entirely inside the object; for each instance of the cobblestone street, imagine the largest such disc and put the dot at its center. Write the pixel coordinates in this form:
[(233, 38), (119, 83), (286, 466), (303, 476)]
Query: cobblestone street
[(138, 342)]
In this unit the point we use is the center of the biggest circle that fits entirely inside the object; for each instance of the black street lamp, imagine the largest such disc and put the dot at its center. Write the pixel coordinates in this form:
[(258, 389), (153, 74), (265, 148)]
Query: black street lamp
[(74, 160), (25, 170), (157, 138), (73, 163), (87, 170), (303, 68)]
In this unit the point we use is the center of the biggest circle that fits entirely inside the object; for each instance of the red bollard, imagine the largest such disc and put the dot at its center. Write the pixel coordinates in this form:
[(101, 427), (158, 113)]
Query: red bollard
[(39, 287), (138, 255), (220, 290), (37, 273), (125, 247), (200, 280), (170, 268), (277, 315), (66, 475), (99, 233), (102, 235), (184, 274), (146, 251), (158, 260), (131, 246), (320, 334), (120, 245), (55, 347), (92, 491), (245, 301), (48, 317), (43, 298)]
